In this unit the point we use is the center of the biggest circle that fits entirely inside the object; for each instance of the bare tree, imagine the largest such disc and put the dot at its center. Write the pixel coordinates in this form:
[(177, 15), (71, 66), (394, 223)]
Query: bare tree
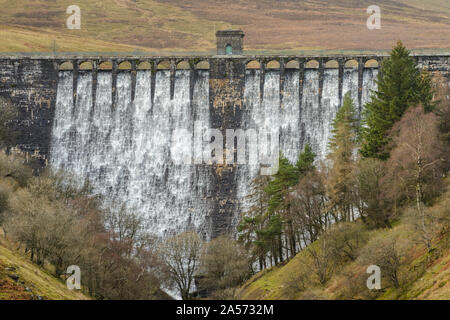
[(416, 165), (5, 191), (297, 281), (322, 263), (309, 207), (345, 240), (369, 193), (181, 257), (224, 265), (390, 254)]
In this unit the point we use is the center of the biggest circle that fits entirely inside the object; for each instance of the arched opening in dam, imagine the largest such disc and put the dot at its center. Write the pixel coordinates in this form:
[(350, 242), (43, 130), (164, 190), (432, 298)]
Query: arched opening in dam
[(67, 65), (105, 65), (253, 65), (332, 64), (183, 65), (85, 65), (312, 64), (163, 65), (202, 65), (125, 65), (273, 64), (292, 64), (144, 65)]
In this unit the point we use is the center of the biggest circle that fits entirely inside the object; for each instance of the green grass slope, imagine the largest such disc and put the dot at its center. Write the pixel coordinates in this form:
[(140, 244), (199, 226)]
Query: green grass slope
[(22, 280), (165, 26), (277, 283)]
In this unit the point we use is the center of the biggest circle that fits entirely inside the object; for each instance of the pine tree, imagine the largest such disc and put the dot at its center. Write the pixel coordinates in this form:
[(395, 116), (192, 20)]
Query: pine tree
[(400, 85), (270, 237), (305, 160), (270, 218), (342, 147), (286, 177), (345, 128), (279, 190)]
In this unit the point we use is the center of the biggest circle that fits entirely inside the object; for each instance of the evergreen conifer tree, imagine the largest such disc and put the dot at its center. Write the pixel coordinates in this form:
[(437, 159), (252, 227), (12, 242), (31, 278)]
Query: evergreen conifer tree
[(400, 85)]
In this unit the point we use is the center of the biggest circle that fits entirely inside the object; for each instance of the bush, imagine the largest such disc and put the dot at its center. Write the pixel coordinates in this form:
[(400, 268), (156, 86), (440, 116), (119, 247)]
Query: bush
[(224, 265), (355, 284), (322, 264), (390, 253), (297, 282), (426, 227), (4, 195), (371, 204), (345, 240), (14, 167)]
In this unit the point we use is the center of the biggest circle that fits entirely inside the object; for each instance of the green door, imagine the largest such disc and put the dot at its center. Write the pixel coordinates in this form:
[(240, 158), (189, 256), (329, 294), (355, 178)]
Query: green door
[(228, 50)]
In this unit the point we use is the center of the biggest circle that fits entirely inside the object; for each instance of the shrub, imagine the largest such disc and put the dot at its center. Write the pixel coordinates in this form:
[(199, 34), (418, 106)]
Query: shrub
[(224, 265), (297, 282), (390, 253), (371, 204), (4, 195), (354, 284), (345, 240), (322, 265), (13, 166)]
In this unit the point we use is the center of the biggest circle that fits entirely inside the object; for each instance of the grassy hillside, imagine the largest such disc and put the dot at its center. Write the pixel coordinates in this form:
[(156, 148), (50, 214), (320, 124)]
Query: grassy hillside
[(189, 25), (422, 274), (276, 283), (22, 280)]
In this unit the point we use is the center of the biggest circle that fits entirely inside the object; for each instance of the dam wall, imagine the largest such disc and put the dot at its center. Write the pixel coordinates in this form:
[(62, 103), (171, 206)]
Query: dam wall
[(113, 121)]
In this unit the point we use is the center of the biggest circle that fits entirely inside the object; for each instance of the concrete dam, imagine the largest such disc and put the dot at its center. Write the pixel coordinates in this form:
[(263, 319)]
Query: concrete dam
[(112, 120)]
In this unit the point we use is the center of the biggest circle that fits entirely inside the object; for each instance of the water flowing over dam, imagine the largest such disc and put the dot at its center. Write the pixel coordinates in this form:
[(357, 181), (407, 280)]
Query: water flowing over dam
[(119, 138), (115, 121)]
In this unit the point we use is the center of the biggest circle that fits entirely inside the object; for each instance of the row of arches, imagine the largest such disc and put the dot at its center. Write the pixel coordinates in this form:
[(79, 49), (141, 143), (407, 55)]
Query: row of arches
[(185, 65), (312, 64), (126, 65)]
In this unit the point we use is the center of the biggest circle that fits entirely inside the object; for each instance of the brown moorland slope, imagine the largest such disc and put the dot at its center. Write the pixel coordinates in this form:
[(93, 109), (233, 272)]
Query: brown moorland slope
[(189, 25)]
